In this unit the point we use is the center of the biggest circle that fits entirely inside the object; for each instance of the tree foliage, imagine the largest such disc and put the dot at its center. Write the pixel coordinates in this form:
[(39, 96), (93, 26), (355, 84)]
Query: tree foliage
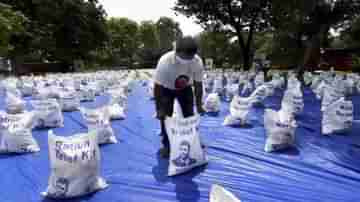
[(123, 40), (11, 22), (350, 37), (61, 30), (302, 27), (241, 18), (168, 31), (215, 45)]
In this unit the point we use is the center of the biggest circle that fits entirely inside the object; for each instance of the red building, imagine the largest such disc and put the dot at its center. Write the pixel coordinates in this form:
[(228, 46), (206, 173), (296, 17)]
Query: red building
[(340, 59)]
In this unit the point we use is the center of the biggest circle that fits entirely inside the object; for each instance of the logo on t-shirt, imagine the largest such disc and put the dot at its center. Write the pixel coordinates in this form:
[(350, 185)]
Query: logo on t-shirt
[(182, 82)]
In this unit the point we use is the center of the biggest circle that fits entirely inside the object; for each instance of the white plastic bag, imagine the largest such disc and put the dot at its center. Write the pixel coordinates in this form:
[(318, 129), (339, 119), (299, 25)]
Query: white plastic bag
[(16, 133), (269, 89), (337, 117), (42, 93), (308, 78), (47, 113), (69, 101), (99, 121), (319, 90), (177, 110), (212, 103), (13, 103), (75, 166), (293, 82), (330, 95), (207, 85), (218, 86), (278, 82), (259, 79), (96, 88), (220, 194), (292, 101), (27, 89), (185, 147), (247, 88), (116, 112), (86, 94), (259, 95), (118, 96), (239, 109), (280, 130), (231, 91)]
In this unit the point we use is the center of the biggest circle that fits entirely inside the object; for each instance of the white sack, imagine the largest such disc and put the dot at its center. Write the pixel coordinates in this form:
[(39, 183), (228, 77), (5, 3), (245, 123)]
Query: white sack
[(220, 194), (280, 130), (98, 120), (47, 113), (75, 166), (239, 110), (185, 147), (337, 117), (13, 103), (212, 103), (16, 133)]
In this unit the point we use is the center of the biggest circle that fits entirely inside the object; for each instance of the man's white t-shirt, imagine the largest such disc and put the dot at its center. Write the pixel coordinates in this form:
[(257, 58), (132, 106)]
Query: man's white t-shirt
[(169, 69)]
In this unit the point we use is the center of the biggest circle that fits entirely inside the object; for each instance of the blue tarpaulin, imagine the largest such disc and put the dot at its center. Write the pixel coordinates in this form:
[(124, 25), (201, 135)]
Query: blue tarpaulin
[(319, 169)]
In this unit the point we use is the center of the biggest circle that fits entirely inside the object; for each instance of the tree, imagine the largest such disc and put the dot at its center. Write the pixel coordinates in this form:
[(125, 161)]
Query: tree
[(148, 35), (11, 22), (123, 40), (350, 37), (60, 30), (215, 45), (149, 51), (168, 31), (307, 23), (241, 18), (263, 43)]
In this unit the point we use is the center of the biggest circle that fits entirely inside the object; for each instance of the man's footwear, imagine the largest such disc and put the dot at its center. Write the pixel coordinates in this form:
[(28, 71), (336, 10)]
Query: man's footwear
[(164, 153)]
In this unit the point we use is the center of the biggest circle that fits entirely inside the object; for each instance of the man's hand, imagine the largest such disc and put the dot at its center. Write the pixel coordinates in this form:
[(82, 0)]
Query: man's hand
[(198, 95), (200, 110)]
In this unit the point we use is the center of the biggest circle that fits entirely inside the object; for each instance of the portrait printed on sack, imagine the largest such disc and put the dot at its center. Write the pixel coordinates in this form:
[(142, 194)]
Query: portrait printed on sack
[(184, 159)]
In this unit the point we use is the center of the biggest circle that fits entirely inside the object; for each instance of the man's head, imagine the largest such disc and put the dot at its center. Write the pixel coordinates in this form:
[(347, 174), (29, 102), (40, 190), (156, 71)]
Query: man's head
[(184, 149), (186, 48), (62, 186)]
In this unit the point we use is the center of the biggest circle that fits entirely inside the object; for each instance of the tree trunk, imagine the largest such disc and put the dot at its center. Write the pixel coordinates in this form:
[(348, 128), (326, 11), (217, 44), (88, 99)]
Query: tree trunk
[(245, 52), (246, 59)]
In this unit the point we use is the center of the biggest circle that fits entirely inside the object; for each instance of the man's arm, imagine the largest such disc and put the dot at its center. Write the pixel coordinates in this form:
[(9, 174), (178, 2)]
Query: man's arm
[(198, 90), (156, 91), (198, 85), (157, 94)]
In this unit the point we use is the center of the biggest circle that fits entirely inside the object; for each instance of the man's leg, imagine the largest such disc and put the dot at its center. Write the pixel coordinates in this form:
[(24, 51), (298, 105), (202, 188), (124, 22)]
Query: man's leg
[(164, 108), (186, 101)]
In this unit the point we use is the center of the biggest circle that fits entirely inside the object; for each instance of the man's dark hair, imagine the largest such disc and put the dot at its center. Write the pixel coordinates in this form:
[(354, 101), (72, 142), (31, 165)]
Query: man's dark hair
[(186, 45), (63, 181), (185, 143)]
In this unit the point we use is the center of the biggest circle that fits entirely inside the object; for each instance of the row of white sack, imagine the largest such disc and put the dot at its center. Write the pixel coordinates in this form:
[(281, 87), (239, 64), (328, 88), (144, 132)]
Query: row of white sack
[(257, 97), (56, 91), (219, 81), (231, 90), (346, 84), (336, 117), (331, 87), (75, 164), (16, 129), (68, 100), (280, 126), (50, 85), (75, 160)]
